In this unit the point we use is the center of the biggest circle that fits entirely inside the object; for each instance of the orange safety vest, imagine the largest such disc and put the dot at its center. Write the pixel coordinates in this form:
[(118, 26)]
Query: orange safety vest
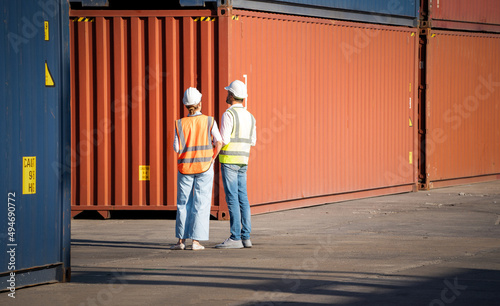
[(195, 144)]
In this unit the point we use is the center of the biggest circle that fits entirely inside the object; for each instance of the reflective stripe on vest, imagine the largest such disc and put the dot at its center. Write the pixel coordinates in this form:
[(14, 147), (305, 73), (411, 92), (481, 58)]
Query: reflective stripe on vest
[(195, 144), (237, 151)]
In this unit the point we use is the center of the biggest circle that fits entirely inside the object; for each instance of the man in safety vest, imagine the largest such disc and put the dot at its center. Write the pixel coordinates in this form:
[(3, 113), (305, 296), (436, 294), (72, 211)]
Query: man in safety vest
[(238, 133)]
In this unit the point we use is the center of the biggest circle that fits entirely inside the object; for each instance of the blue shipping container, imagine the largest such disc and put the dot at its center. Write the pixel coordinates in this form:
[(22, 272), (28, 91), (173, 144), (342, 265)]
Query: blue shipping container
[(393, 12), (35, 135)]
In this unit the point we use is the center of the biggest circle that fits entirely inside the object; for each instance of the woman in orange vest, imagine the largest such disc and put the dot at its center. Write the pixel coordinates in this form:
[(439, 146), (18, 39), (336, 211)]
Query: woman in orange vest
[(197, 142)]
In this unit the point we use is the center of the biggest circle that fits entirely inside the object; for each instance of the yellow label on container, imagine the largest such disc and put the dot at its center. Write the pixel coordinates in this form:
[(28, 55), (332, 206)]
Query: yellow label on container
[(46, 27), (29, 175), (411, 158), (143, 173), (49, 81), (410, 123)]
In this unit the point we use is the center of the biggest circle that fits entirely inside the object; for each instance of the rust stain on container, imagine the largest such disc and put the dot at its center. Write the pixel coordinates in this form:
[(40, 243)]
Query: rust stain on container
[(477, 15), (332, 102), (463, 106)]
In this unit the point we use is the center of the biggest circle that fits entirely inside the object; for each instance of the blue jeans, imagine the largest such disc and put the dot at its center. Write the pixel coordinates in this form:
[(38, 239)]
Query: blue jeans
[(234, 179), (194, 196)]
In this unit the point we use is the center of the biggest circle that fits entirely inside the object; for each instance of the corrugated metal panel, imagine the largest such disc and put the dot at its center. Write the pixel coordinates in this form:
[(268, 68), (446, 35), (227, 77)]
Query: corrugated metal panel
[(375, 11), (130, 70), (471, 15), (35, 124), (332, 102), (463, 105)]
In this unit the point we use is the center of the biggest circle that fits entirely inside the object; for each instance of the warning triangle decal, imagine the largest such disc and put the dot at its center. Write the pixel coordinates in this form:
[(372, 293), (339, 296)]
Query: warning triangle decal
[(49, 81)]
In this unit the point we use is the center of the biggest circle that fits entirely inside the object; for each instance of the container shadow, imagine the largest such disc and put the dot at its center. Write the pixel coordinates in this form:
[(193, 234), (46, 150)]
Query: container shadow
[(268, 286), (119, 244)]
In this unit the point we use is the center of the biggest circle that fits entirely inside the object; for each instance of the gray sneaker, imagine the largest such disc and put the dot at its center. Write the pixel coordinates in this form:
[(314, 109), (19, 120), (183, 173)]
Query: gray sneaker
[(247, 243), (230, 244)]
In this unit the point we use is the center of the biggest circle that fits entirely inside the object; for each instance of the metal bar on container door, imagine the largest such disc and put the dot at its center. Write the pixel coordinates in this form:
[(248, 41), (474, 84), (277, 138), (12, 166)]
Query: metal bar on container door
[(224, 35), (173, 102), (155, 112), (428, 125), (121, 112), (103, 132), (85, 145), (414, 60), (206, 70), (189, 56), (206, 55), (138, 111), (75, 160)]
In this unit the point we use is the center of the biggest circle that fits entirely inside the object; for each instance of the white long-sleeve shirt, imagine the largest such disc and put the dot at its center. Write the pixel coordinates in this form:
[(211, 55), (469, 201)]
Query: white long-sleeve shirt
[(226, 127), (215, 134)]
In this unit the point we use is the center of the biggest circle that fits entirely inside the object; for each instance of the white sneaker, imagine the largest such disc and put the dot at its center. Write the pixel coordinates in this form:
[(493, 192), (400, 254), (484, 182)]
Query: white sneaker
[(247, 243), (197, 247), (230, 244)]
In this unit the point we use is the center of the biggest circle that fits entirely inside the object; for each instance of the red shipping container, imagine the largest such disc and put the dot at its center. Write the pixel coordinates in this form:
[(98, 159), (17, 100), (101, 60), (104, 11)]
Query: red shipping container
[(463, 108), (470, 15), (334, 103)]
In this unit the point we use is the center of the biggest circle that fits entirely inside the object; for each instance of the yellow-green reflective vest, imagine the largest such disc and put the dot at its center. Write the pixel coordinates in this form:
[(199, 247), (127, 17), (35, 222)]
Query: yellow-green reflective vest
[(237, 151)]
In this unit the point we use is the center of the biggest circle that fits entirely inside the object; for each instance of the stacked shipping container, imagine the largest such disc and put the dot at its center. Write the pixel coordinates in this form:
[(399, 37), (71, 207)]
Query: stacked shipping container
[(477, 15), (462, 99), (336, 103), (333, 102), (123, 118), (331, 119), (463, 107)]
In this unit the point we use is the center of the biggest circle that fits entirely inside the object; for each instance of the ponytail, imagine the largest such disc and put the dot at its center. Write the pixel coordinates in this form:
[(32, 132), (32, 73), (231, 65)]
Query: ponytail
[(193, 108)]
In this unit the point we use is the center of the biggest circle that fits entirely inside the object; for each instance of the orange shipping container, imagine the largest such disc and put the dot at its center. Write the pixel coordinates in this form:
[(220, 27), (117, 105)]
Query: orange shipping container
[(470, 15), (129, 70), (463, 108), (334, 103)]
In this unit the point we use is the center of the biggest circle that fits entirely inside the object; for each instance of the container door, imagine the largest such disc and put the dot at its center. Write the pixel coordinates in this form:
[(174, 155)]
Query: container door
[(35, 227)]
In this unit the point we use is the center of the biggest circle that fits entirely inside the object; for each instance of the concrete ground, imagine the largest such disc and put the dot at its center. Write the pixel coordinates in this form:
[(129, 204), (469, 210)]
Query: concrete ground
[(438, 247)]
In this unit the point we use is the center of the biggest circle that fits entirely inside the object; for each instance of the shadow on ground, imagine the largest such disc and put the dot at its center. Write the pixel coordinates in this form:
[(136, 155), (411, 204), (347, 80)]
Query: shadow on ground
[(292, 287)]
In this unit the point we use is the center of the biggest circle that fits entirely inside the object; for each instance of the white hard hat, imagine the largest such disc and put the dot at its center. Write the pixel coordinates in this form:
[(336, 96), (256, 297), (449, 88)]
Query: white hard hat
[(238, 88), (191, 96)]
